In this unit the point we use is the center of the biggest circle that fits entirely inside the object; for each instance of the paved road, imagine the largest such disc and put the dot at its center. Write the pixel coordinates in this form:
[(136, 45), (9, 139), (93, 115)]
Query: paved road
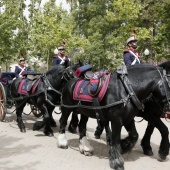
[(34, 151)]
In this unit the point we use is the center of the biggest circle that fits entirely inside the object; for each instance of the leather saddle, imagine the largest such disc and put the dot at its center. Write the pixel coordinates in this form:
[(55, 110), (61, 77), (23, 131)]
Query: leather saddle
[(32, 79), (94, 88)]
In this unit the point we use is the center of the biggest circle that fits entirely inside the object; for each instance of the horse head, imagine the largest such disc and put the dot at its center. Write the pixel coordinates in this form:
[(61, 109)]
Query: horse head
[(166, 83), (77, 65), (166, 73), (69, 71)]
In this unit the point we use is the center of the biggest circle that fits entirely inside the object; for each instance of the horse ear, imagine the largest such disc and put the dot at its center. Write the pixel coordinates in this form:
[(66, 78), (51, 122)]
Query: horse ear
[(80, 63)]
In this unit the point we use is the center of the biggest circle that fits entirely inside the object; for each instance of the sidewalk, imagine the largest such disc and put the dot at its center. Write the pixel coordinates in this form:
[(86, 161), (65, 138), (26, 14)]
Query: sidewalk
[(34, 151)]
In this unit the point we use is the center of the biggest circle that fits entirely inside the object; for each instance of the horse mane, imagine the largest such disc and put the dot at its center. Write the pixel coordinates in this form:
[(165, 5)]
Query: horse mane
[(55, 69), (138, 66), (166, 66), (77, 65)]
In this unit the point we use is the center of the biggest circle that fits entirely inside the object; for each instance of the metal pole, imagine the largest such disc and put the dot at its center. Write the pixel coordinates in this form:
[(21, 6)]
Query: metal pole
[(47, 58)]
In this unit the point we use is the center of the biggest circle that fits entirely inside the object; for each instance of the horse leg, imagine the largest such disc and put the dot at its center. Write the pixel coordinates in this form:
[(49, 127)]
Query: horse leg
[(61, 139), (52, 121), (164, 145), (84, 145), (116, 159), (19, 111), (73, 123), (40, 124), (99, 130), (108, 133), (47, 129), (129, 142), (145, 142)]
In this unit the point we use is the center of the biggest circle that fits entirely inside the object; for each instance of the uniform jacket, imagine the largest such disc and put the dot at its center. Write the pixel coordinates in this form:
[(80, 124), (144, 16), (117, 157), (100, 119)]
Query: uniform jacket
[(129, 57), (19, 70), (58, 60)]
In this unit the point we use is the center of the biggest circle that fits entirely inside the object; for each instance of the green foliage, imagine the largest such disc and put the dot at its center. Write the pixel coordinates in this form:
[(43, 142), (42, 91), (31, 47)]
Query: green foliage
[(95, 31)]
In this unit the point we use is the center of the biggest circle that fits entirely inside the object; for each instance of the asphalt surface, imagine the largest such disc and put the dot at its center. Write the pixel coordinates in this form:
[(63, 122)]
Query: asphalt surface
[(34, 151)]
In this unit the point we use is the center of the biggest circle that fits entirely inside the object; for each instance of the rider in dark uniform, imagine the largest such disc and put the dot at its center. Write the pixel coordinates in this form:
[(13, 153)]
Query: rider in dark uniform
[(60, 58), (20, 68), (131, 57)]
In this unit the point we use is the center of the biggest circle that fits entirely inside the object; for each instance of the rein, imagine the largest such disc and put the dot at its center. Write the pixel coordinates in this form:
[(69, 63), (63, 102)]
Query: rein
[(122, 101), (48, 85), (68, 74), (166, 77)]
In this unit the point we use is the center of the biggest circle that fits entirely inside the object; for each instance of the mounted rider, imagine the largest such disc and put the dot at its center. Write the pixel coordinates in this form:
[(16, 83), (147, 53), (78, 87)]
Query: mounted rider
[(61, 58), (20, 68), (131, 56)]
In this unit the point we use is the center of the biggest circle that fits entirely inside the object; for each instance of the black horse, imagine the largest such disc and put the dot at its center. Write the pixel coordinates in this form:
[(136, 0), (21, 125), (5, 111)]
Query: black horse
[(153, 112), (119, 107), (45, 98)]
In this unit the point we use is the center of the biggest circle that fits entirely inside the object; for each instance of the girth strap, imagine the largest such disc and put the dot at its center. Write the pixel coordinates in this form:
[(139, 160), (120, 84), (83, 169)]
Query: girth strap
[(99, 113)]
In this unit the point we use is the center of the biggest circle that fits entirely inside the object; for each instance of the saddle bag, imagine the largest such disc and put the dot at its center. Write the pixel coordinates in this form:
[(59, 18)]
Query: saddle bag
[(81, 70)]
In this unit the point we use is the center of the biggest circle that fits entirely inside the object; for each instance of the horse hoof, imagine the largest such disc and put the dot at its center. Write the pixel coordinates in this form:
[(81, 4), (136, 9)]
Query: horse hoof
[(97, 136), (88, 153), (23, 130), (109, 142), (148, 153), (161, 157), (72, 130), (50, 134), (64, 147), (112, 166)]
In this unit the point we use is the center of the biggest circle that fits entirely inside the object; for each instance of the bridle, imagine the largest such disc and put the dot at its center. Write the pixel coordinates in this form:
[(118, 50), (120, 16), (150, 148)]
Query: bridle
[(167, 80), (66, 76), (164, 78)]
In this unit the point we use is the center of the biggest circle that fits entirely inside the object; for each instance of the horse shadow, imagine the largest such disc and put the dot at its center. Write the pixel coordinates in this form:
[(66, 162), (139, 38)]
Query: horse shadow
[(16, 150), (9, 141), (29, 121), (101, 149)]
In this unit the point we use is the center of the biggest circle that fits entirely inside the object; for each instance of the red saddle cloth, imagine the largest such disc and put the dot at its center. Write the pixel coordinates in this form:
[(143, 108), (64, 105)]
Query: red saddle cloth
[(81, 90), (22, 88)]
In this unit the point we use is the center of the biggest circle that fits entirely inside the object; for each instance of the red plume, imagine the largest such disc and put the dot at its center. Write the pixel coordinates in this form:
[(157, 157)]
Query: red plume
[(64, 42), (134, 31)]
